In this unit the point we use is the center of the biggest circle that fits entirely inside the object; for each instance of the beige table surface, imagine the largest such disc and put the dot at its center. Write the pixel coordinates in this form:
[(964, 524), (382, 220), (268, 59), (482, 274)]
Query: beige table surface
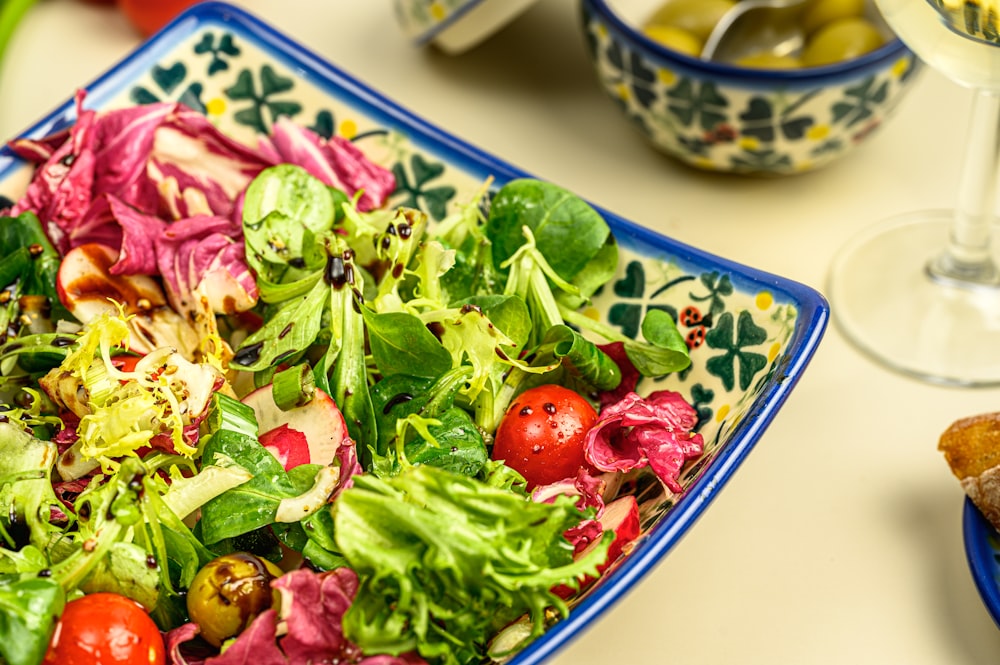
[(839, 539)]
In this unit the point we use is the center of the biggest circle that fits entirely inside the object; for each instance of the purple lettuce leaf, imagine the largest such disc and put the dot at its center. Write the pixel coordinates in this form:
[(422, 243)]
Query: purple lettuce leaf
[(656, 432)]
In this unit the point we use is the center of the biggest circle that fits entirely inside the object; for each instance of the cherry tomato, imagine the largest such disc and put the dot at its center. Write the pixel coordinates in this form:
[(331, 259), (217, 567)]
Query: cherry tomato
[(542, 434), (148, 16), (105, 629), (125, 363)]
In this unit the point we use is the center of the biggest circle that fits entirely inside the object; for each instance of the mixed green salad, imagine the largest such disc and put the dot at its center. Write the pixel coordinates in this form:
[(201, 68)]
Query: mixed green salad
[(252, 412)]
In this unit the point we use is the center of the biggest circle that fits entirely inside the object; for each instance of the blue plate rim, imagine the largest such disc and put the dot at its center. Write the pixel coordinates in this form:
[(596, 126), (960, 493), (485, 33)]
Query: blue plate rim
[(813, 308), (982, 557)]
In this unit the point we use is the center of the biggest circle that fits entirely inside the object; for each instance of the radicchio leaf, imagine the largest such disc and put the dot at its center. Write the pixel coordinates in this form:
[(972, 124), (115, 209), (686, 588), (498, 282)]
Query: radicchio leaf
[(309, 624), (635, 432), (161, 184), (205, 254), (335, 161)]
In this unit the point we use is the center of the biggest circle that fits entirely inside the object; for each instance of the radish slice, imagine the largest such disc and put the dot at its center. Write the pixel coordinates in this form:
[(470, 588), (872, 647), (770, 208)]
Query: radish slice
[(621, 517), (87, 288), (308, 434)]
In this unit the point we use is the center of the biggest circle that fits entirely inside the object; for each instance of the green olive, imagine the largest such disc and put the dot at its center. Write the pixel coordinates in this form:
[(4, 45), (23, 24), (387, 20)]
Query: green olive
[(229, 592), (697, 17), (821, 12), (674, 38), (767, 60), (841, 40)]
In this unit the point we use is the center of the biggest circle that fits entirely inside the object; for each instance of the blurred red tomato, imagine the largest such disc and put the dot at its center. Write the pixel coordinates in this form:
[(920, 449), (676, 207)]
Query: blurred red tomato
[(148, 16)]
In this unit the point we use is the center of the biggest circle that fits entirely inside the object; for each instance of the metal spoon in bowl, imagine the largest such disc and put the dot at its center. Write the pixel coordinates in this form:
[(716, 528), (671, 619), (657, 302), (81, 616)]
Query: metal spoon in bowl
[(755, 26)]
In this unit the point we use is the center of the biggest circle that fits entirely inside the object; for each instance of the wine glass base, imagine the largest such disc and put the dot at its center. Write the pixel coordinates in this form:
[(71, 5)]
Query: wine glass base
[(886, 302)]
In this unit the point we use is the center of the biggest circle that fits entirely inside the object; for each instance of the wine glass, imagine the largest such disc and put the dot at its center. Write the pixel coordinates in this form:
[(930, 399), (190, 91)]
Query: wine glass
[(920, 293)]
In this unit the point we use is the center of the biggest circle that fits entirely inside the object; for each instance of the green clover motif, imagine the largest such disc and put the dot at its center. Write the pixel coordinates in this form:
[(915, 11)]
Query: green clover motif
[(701, 398), (762, 120), (225, 47), (833, 145), (628, 315), (860, 101), (702, 103), (718, 287), (167, 81), (696, 145), (262, 102), (762, 160), (324, 124), (435, 199), (734, 339)]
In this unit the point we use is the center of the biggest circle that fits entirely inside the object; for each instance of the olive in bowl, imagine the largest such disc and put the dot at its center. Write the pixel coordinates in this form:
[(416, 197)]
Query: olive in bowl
[(742, 118)]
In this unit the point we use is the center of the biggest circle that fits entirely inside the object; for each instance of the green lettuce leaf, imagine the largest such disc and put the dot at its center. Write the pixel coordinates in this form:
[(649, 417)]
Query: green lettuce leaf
[(445, 561)]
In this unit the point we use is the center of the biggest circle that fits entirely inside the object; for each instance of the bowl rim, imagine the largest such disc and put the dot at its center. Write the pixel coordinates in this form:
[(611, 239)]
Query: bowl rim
[(425, 37), (892, 50), (666, 533)]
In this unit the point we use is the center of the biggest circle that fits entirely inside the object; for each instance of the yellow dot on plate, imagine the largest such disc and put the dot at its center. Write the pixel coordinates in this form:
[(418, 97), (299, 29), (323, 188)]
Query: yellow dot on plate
[(666, 76), (818, 132), (764, 300), (438, 11), (721, 414), (622, 91), (773, 352), (704, 162), (592, 313), (901, 67), (348, 128), (215, 106), (749, 143)]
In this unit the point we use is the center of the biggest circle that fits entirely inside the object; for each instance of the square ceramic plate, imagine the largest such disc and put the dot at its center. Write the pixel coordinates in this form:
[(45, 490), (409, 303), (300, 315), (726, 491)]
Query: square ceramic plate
[(752, 334)]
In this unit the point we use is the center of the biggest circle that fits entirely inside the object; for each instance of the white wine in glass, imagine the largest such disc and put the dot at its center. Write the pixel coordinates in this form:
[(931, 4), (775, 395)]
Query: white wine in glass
[(920, 293)]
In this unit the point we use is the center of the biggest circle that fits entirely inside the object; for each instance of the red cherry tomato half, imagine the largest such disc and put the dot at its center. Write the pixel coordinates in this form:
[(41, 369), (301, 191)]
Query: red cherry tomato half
[(542, 434), (125, 363), (148, 16), (105, 629)]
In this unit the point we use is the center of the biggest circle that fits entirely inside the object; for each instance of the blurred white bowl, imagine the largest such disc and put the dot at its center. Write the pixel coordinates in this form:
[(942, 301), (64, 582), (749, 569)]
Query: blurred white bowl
[(455, 26)]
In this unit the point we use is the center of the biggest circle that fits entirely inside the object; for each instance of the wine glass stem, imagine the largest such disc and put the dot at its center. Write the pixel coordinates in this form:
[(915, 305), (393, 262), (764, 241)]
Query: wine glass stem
[(968, 256)]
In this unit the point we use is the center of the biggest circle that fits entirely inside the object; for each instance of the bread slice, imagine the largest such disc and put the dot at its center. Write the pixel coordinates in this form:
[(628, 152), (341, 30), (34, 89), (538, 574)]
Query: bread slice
[(971, 446)]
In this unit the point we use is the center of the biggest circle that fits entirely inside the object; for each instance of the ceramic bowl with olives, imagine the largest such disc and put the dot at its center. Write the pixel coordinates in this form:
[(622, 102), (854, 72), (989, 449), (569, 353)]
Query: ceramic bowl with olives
[(764, 110)]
